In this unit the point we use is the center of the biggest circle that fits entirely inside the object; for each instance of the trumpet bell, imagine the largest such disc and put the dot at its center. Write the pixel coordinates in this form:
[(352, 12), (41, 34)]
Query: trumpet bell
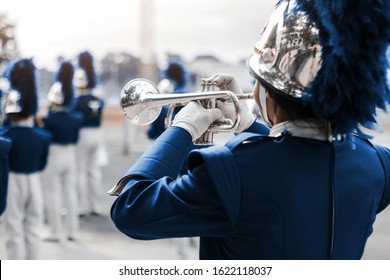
[(133, 103)]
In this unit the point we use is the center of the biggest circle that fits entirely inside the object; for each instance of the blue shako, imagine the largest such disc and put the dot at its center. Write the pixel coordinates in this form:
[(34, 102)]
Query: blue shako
[(85, 62), (64, 76), (23, 97)]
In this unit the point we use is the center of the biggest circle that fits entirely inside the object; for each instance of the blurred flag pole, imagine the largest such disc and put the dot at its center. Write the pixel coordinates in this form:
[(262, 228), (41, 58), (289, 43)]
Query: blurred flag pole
[(147, 67)]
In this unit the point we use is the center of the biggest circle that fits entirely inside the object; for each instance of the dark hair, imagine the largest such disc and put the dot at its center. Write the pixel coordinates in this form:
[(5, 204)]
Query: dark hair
[(292, 107), (176, 73), (65, 75), (297, 110)]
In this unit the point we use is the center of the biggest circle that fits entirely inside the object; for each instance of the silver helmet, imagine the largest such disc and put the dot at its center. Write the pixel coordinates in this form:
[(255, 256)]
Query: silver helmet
[(55, 94), (80, 79), (13, 102), (288, 55)]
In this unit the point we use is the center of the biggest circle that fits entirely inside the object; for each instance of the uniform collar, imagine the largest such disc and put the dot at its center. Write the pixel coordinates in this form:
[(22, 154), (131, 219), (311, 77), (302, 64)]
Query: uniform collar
[(312, 129)]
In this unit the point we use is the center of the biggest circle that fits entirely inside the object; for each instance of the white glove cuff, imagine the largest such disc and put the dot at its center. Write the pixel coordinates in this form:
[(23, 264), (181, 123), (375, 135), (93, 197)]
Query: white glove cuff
[(246, 121), (188, 127)]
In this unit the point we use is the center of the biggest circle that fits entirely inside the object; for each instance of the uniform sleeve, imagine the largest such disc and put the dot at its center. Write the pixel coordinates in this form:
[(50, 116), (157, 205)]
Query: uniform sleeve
[(164, 208), (154, 204)]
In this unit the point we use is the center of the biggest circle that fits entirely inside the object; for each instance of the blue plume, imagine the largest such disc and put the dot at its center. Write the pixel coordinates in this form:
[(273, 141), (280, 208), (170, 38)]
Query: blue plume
[(64, 75), (352, 81), (86, 63), (21, 75)]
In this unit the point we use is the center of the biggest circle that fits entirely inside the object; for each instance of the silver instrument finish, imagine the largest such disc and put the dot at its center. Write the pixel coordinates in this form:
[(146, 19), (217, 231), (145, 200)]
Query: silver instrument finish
[(142, 102), (288, 55)]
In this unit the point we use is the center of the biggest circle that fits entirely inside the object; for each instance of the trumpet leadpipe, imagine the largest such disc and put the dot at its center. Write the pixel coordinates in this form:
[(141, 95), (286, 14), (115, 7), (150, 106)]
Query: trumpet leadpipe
[(245, 96)]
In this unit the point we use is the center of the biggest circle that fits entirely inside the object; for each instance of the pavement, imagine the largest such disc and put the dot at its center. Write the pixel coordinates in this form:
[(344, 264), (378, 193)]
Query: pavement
[(98, 238)]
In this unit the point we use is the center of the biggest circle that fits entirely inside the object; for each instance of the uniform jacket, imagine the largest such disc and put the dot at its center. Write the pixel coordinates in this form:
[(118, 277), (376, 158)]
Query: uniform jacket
[(258, 197), (29, 151), (64, 126), (92, 108)]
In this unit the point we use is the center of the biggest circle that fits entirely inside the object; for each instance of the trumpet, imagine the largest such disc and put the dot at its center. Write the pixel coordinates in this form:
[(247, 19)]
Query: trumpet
[(142, 102)]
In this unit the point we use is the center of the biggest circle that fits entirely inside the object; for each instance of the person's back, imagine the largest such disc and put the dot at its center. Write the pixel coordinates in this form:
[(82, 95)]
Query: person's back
[(23, 216), (59, 178), (320, 204), (28, 143), (91, 153), (64, 125), (91, 107)]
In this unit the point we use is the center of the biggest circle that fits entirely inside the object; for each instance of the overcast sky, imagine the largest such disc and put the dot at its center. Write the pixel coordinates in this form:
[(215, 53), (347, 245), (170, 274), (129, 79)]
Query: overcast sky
[(48, 28)]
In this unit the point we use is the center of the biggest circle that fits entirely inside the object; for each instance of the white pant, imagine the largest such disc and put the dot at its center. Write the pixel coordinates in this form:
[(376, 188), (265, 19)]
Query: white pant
[(59, 189), (23, 217), (89, 172)]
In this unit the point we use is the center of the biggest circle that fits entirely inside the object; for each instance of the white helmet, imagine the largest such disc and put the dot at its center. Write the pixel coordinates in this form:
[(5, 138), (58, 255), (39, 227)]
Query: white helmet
[(55, 94), (80, 78), (12, 102), (166, 86)]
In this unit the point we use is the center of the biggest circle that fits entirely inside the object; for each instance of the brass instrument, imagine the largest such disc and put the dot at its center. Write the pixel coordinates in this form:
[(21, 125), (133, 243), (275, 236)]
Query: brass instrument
[(142, 102)]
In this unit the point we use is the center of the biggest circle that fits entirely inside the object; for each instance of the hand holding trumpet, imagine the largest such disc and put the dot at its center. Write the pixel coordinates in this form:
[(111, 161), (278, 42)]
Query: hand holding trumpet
[(228, 82), (196, 119)]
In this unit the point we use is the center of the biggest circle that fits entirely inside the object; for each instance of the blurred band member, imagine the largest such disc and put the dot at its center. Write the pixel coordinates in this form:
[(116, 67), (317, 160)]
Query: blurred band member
[(23, 216), (174, 81), (59, 177), (90, 142)]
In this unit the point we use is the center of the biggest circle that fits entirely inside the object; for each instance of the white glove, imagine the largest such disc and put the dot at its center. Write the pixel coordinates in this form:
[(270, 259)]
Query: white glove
[(196, 119), (228, 82)]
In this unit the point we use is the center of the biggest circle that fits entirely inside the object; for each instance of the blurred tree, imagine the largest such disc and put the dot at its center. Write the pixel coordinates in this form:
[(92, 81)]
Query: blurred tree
[(8, 45)]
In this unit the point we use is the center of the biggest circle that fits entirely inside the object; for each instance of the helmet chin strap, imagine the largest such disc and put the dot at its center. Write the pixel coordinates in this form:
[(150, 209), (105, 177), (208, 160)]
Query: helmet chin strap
[(263, 103)]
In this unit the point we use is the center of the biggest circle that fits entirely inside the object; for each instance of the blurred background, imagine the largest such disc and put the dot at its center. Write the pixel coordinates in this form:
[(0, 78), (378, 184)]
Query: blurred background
[(131, 39)]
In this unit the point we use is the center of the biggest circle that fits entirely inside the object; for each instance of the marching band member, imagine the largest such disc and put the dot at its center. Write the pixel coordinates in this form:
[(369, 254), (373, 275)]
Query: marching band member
[(174, 81), (312, 188), (91, 138), (23, 217), (59, 177)]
